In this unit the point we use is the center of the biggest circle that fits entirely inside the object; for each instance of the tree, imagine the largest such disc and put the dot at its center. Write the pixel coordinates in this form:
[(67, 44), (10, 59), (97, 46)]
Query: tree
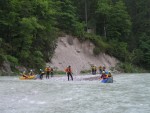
[(103, 14), (113, 20)]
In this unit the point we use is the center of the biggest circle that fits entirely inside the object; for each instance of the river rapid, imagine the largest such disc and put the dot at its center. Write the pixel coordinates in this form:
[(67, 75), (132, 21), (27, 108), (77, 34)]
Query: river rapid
[(130, 93)]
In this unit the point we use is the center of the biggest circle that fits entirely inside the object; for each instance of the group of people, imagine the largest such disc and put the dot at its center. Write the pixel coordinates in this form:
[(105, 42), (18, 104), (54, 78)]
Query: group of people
[(105, 75), (27, 75), (49, 72), (100, 69)]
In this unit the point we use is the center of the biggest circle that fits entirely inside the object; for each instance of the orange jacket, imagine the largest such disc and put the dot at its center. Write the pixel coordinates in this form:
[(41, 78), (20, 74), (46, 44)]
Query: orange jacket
[(68, 70)]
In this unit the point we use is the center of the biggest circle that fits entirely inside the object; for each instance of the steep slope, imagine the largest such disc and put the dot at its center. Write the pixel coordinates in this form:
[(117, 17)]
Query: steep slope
[(70, 51)]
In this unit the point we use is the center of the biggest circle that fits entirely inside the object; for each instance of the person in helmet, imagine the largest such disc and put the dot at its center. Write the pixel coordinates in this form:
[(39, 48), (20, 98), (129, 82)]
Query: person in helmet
[(47, 69), (103, 76), (68, 70), (31, 72), (109, 74), (41, 74), (104, 68), (24, 74), (100, 69)]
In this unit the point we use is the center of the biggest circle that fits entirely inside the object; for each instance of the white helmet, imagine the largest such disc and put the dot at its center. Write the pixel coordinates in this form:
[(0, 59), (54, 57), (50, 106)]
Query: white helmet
[(103, 72)]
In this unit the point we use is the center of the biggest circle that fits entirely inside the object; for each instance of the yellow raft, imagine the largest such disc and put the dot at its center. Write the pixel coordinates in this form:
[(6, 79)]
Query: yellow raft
[(27, 77)]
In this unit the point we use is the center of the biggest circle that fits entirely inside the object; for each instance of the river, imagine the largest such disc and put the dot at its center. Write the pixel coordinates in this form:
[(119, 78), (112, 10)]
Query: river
[(130, 93)]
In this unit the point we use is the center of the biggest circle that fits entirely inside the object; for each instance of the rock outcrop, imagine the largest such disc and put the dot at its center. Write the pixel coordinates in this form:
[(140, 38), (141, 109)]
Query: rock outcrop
[(70, 51)]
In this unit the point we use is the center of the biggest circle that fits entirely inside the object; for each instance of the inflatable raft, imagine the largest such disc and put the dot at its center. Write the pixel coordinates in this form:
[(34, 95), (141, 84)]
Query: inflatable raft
[(107, 80), (27, 77)]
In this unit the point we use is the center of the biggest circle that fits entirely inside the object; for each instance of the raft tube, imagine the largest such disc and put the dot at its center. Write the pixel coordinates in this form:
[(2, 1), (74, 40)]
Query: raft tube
[(107, 80), (27, 78)]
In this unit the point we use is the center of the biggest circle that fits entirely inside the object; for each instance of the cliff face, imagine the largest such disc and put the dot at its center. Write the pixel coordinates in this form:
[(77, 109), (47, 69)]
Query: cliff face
[(70, 51)]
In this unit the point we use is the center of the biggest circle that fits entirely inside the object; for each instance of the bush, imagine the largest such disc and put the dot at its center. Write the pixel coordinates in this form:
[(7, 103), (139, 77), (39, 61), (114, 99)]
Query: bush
[(2, 58), (12, 60), (118, 49), (101, 45), (85, 71), (129, 68), (59, 72)]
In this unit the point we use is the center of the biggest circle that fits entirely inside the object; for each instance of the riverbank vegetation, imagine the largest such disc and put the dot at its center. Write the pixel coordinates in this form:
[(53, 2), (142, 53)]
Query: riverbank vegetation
[(29, 29)]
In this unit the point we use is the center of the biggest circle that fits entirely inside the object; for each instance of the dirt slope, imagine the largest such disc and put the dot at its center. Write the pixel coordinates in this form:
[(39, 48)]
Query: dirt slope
[(80, 56)]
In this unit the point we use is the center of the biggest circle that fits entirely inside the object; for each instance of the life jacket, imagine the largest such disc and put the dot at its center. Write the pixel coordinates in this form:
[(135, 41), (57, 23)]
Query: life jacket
[(104, 76), (68, 70), (31, 73), (95, 68), (100, 67), (109, 75), (48, 69)]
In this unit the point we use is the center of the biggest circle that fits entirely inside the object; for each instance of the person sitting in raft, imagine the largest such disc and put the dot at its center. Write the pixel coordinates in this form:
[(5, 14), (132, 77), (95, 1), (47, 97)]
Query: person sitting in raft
[(103, 76), (31, 73), (109, 74), (24, 74)]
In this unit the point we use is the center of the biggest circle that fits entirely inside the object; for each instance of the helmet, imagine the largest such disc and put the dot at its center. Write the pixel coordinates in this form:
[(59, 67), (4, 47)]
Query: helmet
[(106, 72), (31, 70), (103, 72), (40, 69)]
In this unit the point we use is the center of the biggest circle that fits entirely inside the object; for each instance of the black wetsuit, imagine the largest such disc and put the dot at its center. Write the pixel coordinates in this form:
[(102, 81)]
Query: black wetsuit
[(69, 74)]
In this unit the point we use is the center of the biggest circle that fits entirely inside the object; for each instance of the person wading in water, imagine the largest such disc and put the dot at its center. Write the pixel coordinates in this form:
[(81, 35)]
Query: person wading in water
[(47, 69), (68, 70)]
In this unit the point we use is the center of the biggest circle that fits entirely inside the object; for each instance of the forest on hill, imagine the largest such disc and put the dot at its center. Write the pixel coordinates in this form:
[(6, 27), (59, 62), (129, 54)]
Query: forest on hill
[(29, 29)]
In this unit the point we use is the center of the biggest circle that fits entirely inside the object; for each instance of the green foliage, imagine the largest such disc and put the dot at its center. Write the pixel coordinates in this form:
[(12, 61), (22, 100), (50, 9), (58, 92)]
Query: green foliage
[(100, 44), (29, 29), (59, 72), (28, 26), (37, 57), (79, 29), (67, 19), (113, 20), (145, 48), (2, 58), (104, 7), (12, 59), (119, 50), (85, 71), (0, 42), (130, 68), (119, 23)]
